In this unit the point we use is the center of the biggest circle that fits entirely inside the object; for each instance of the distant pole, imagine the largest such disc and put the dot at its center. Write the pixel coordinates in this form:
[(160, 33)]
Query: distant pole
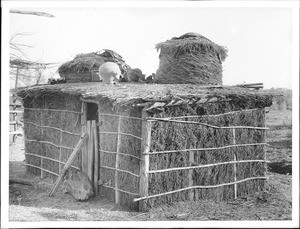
[(17, 78), (14, 101)]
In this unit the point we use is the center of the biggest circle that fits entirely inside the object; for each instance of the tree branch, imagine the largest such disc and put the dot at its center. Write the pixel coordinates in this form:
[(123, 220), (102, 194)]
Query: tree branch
[(42, 14)]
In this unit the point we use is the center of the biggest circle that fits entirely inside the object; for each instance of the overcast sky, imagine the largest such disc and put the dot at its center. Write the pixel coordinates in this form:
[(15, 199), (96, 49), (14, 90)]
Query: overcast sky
[(259, 40)]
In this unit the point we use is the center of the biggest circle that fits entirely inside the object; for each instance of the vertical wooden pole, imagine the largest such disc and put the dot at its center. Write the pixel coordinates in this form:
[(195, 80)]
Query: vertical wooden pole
[(83, 131), (265, 141), (14, 107), (234, 165), (96, 157), (100, 189), (41, 123), (190, 175), (60, 145), (117, 193), (60, 153), (144, 162), (190, 172)]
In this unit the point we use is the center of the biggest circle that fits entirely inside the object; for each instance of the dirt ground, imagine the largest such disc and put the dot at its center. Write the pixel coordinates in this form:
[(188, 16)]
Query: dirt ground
[(32, 203)]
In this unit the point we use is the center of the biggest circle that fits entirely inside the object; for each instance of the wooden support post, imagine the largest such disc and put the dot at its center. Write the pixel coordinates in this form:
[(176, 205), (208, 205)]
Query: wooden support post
[(42, 133), (117, 193), (234, 165), (83, 131), (190, 175), (96, 157), (144, 163), (68, 164), (265, 147), (60, 153)]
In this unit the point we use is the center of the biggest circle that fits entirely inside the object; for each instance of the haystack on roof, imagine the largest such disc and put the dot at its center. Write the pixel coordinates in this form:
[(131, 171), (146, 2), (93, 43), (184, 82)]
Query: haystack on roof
[(83, 66), (153, 96), (190, 58)]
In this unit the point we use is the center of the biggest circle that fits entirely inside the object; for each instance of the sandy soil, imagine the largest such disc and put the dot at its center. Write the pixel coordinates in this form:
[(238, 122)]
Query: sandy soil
[(32, 203)]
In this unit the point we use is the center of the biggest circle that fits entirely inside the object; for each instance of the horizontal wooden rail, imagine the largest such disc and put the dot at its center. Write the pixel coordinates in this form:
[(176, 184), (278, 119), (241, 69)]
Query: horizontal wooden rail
[(131, 135), (198, 186), (205, 149), (120, 170), (34, 166), (15, 105), (50, 143), (16, 132), (214, 115), (208, 125), (204, 166), (15, 112), (39, 109), (123, 116), (125, 154), (51, 159), (15, 123), (54, 128), (120, 190)]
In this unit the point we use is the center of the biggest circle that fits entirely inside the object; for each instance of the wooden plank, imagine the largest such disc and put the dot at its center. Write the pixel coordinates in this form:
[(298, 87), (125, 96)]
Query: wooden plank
[(234, 165), (90, 158), (117, 193), (144, 163), (83, 131), (96, 156), (68, 164), (90, 152)]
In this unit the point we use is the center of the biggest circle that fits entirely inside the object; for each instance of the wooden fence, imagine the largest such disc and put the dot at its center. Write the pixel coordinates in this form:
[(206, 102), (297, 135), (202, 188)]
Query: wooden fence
[(15, 123)]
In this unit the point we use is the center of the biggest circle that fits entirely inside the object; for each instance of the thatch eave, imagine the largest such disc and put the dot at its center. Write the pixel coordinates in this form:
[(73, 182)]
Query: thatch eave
[(134, 94)]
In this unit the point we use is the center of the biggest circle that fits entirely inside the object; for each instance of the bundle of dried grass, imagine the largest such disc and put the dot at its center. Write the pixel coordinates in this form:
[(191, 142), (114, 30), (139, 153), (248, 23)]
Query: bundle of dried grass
[(83, 66), (190, 58)]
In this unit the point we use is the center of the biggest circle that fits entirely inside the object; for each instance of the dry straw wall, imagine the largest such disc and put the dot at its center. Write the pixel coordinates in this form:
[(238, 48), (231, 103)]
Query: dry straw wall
[(51, 131)]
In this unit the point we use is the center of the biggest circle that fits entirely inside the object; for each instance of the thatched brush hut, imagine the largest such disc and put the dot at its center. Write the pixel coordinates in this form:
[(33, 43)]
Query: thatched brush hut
[(190, 58), (84, 67), (150, 144)]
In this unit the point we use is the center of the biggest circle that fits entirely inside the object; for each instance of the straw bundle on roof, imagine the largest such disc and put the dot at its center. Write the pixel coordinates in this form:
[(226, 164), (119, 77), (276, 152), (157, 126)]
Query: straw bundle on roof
[(84, 66), (190, 58)]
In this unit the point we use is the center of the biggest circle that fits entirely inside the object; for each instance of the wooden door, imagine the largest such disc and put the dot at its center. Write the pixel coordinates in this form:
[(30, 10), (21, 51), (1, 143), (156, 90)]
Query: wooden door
[(90, 155)]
